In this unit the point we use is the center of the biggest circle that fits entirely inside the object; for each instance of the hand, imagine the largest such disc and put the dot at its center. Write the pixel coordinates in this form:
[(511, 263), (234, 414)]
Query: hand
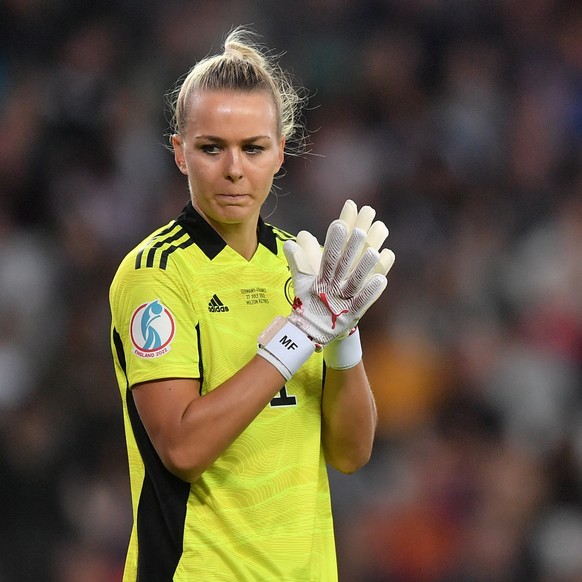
[(335, 288)]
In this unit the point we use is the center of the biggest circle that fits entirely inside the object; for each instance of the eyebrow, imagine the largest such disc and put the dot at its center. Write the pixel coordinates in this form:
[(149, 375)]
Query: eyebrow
[(221, 140)]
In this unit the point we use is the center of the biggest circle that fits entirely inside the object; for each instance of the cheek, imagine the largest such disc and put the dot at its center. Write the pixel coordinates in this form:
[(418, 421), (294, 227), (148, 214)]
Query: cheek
[(268, 168), (261, 179), (201, 171)]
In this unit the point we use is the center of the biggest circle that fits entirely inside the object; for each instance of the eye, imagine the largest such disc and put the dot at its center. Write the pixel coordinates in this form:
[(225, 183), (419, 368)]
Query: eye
[(210, 148), (253, 149)]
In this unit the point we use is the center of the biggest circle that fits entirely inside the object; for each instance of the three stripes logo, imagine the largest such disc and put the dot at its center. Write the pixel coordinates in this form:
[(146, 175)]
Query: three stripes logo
[(215, 304)]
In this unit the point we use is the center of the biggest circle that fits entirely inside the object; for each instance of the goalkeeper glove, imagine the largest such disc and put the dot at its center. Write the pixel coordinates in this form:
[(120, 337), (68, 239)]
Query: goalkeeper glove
[(351, 276), (333, 290)]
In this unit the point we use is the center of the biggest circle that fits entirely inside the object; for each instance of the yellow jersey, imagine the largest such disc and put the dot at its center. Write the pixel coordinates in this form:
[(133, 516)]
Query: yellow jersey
[(186, 305)]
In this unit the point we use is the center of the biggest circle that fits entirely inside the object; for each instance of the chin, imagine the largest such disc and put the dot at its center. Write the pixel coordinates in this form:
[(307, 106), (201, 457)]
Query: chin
[(234, 214)]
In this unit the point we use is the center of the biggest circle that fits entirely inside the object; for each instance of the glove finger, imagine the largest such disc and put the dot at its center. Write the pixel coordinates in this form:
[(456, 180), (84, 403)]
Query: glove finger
[(365, 218), (387, 258), (349, 213), (377, 234), (335, 239), (312, 250), (369, 293), (366, 265), (351, 253), (296, 258)]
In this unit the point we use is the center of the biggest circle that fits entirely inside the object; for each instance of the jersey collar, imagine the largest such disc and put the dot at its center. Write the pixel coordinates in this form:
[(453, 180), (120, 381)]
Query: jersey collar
[(209, 241)]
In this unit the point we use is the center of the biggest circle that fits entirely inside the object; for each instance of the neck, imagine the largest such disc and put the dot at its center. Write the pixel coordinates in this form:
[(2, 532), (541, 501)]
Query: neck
[(241, 237), (243, 240)]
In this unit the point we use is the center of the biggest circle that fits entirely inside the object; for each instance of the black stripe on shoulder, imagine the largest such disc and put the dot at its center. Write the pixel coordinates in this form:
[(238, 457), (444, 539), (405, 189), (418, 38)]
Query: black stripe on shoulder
[(167, 252), (269, 234), (282, 234), (170, 238), (152, 242), (157, 251)]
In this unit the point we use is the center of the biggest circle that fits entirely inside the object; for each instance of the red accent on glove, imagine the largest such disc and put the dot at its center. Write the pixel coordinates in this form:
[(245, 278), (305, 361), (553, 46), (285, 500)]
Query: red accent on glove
[(334, 316)]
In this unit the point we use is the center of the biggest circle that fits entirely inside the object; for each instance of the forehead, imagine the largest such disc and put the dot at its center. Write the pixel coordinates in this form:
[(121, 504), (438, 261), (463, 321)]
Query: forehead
[(216, 112)]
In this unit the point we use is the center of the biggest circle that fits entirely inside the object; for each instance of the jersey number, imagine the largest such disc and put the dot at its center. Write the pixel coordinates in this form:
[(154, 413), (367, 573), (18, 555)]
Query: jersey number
[(284, 399)]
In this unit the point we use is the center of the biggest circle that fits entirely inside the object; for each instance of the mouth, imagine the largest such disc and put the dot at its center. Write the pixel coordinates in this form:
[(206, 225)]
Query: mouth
[(231, 197)]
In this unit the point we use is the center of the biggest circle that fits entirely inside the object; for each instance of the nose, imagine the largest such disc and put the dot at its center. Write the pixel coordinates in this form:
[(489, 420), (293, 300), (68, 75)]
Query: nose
[(233, 170)]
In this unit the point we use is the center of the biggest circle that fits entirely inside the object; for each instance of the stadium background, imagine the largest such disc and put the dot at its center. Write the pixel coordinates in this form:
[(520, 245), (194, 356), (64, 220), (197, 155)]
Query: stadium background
[(460, 121)]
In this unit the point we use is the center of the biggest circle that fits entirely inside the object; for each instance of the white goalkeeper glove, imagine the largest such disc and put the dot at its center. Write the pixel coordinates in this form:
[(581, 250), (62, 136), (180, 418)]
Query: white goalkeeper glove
[(352, 274), (333, 290)]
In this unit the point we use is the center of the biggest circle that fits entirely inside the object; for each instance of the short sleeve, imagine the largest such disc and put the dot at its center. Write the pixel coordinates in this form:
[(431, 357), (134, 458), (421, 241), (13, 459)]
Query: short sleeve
[(156, 325)]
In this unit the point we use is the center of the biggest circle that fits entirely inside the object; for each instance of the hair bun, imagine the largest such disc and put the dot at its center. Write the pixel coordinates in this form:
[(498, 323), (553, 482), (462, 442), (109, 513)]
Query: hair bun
[(233, 51)]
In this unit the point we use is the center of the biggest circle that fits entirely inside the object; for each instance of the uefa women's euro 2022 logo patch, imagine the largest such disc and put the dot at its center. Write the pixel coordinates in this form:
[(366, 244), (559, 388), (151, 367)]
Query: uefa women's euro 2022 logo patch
[(152, 330)]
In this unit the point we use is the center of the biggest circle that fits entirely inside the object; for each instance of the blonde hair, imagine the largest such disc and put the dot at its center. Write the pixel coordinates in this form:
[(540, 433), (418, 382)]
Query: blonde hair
[(245, 66)]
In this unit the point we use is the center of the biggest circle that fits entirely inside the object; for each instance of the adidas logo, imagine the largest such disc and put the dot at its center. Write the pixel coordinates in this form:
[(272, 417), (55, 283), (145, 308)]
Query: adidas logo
[(215, 304)]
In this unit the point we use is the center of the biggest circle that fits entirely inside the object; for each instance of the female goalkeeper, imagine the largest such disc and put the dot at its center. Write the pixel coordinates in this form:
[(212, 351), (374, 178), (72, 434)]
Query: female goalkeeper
[(234, 347)]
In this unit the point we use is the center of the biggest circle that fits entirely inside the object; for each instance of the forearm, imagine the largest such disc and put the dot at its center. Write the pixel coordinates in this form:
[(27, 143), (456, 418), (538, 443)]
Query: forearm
[(349, 418), (191, 434), (190, 431)]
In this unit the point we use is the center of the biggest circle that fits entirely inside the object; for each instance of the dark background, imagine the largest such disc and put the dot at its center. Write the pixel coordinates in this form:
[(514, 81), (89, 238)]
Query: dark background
[(460, 121)]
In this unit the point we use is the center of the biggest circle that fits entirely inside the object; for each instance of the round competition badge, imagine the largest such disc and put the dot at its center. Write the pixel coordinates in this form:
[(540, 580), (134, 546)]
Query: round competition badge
[(289, 294), (152, 330)]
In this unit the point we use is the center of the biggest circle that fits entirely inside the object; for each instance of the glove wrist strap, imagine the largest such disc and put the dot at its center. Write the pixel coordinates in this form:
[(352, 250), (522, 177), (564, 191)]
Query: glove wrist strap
[(345, 353), (285, 346)]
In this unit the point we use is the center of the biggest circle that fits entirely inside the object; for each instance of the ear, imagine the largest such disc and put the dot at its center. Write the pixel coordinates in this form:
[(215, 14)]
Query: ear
[(281, 154), (179, 157)]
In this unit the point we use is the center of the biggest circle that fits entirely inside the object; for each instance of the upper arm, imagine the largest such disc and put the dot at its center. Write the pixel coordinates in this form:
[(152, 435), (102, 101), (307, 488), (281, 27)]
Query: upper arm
[(161, 405)]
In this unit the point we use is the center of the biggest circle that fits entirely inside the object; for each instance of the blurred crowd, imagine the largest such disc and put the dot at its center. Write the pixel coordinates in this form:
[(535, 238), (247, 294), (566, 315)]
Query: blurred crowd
[(459, 121)]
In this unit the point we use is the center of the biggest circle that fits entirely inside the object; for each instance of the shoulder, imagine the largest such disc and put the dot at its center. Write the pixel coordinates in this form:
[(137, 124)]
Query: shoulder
[(157, 250), (153, 258), (274, 238), (279, 233)]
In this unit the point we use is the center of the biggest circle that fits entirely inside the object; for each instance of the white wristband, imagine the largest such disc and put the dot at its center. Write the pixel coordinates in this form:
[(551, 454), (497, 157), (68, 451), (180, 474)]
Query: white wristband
[(342, 354), (285, 346)]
